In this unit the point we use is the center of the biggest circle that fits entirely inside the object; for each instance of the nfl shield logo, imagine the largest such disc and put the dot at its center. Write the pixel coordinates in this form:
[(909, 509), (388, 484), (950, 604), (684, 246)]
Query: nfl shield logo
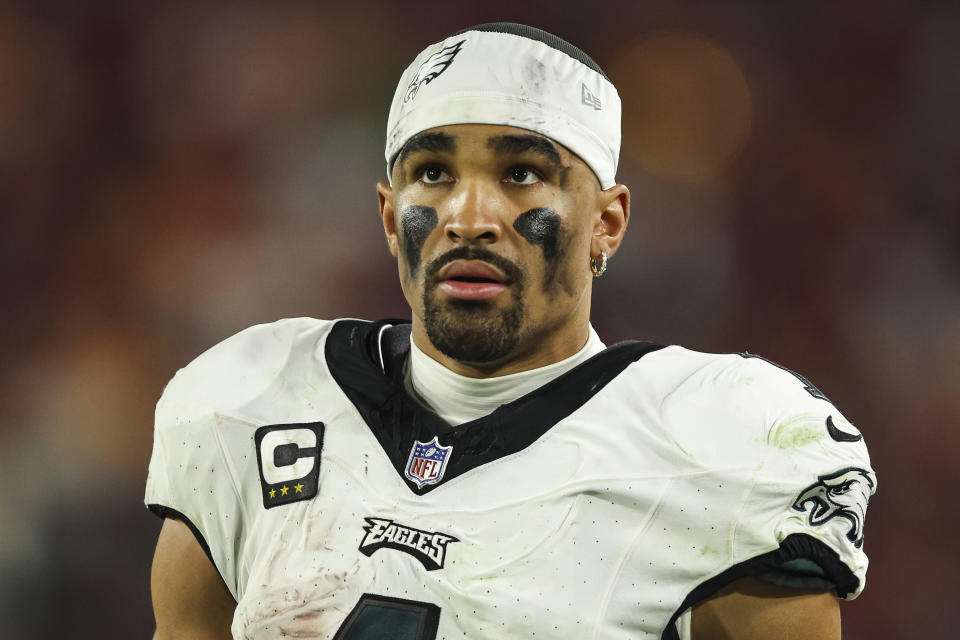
[(428, 461)]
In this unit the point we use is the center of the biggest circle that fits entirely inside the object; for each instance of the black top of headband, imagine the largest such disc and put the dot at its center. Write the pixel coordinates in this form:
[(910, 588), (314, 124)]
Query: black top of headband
[(536, 34)]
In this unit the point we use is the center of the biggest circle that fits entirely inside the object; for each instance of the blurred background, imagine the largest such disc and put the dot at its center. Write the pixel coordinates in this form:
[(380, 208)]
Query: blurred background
[(172, 172)]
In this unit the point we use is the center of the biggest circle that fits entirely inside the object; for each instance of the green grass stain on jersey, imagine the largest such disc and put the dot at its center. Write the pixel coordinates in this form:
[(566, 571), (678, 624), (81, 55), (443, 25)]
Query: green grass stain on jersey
[(798, 431)]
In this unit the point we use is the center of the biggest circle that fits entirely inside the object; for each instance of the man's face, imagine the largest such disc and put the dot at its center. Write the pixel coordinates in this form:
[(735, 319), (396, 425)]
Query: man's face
[(492, 227)]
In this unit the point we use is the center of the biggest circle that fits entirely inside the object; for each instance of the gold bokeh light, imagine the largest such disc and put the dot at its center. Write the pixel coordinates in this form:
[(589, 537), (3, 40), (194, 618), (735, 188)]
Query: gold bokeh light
[(686, 105)]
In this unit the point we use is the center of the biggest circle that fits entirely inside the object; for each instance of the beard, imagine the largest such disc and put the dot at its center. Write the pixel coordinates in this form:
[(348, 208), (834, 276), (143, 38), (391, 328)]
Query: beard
[(476, 333), (473, 331)]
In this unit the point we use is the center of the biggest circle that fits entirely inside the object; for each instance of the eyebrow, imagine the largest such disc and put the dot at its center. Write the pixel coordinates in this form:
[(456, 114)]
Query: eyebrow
[(435, 142), (514, 144)]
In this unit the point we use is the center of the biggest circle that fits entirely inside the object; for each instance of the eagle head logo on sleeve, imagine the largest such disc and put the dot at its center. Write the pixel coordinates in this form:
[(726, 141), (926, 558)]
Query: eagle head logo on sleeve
[(431, 68), (842, 494)]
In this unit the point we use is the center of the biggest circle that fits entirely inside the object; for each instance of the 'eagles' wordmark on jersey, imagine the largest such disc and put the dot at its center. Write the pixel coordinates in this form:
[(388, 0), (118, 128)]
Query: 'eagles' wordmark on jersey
[(429, 547), (602, 505)]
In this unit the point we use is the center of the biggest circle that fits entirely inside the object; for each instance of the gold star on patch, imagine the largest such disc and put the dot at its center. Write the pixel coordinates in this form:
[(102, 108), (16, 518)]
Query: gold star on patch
[(284, 489), (273, 493), (298, 487)]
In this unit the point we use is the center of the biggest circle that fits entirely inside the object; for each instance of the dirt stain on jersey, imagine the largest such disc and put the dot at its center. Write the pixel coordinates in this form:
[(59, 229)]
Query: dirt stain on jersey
[(310, 624)]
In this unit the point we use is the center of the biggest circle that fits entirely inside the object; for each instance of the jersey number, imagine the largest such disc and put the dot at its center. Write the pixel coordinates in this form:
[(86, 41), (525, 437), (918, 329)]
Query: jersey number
[(377, 617)]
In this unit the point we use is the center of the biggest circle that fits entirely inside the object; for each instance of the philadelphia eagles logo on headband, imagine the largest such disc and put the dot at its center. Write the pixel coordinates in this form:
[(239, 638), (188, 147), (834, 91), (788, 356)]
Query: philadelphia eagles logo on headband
[(432, 67)]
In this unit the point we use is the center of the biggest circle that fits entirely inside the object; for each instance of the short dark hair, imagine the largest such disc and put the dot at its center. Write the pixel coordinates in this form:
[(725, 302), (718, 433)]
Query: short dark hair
[(536, 34)]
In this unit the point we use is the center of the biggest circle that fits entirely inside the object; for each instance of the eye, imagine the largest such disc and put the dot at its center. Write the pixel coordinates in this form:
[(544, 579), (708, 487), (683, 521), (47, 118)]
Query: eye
[(433, 174), (522, 175), (841, 489)]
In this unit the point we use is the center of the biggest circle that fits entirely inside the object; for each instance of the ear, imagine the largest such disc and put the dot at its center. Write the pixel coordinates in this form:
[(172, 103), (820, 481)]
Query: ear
[(385, 194), (611, 226)]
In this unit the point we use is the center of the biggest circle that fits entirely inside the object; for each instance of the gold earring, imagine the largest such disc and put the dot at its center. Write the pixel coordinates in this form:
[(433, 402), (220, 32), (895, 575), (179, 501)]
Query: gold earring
[(598, 269)]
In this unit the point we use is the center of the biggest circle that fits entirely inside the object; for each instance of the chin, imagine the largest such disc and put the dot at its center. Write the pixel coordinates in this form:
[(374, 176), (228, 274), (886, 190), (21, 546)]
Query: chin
[(473, 333)]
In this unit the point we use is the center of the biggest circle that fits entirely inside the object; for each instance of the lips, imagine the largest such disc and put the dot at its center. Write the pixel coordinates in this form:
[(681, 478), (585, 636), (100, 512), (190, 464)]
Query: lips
[(472, 280)]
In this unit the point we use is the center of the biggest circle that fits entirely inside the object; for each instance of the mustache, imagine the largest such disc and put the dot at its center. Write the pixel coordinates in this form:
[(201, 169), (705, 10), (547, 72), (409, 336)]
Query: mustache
[(511, 270)]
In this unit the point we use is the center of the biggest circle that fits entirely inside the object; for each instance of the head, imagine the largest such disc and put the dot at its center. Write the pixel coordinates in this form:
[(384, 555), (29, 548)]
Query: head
[(501, 159)]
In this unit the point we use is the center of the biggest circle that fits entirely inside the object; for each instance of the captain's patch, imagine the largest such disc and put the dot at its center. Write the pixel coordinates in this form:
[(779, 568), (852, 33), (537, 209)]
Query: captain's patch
[(427, 462), (843, 494), (429, 547), (289, 459)]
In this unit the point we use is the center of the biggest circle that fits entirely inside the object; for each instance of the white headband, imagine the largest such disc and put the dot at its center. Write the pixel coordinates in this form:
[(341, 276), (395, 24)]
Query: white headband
[(484, 77)]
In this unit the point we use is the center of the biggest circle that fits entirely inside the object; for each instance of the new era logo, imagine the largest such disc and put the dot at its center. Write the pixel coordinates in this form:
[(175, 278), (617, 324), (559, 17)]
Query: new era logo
[(589, 98)]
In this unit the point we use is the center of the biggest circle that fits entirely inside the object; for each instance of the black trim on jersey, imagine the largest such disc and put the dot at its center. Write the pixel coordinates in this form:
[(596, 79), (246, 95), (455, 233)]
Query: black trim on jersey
[(397, 420), (795, 580), (164, 512), (807, 385), (370, 608), (532, 33), (841, 436), (796, 545)]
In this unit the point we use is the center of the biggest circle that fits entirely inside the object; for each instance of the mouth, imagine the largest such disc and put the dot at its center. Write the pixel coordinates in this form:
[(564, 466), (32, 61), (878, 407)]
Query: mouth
[(472, 280)]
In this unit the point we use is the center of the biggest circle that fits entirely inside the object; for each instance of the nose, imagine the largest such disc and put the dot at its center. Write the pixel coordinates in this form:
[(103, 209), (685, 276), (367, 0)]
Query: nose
[(475, 214)]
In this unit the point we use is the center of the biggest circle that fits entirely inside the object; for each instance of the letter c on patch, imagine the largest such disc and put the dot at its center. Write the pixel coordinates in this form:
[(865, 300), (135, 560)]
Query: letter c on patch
[(289, 459), (295, 439)]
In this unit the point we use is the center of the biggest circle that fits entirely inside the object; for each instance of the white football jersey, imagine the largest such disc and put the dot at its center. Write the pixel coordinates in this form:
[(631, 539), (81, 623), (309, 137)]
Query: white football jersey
[(602, 505)]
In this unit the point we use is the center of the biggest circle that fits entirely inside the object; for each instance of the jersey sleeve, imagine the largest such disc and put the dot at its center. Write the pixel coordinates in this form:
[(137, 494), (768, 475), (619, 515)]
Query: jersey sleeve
[(811, 489), (203, 440), (189, 480)]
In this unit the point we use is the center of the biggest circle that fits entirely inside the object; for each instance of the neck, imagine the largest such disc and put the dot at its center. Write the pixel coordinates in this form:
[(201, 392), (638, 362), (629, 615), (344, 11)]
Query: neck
[(532, 353), (459, 399)]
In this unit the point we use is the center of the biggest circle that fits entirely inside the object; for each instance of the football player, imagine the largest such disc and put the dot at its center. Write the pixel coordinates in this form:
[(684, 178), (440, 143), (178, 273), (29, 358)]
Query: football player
[(491, 469)]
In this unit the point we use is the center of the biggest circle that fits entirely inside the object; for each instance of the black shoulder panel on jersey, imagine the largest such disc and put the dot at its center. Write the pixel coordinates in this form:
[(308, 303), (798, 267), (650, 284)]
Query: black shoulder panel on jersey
[(353, 354), (794, 546)]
